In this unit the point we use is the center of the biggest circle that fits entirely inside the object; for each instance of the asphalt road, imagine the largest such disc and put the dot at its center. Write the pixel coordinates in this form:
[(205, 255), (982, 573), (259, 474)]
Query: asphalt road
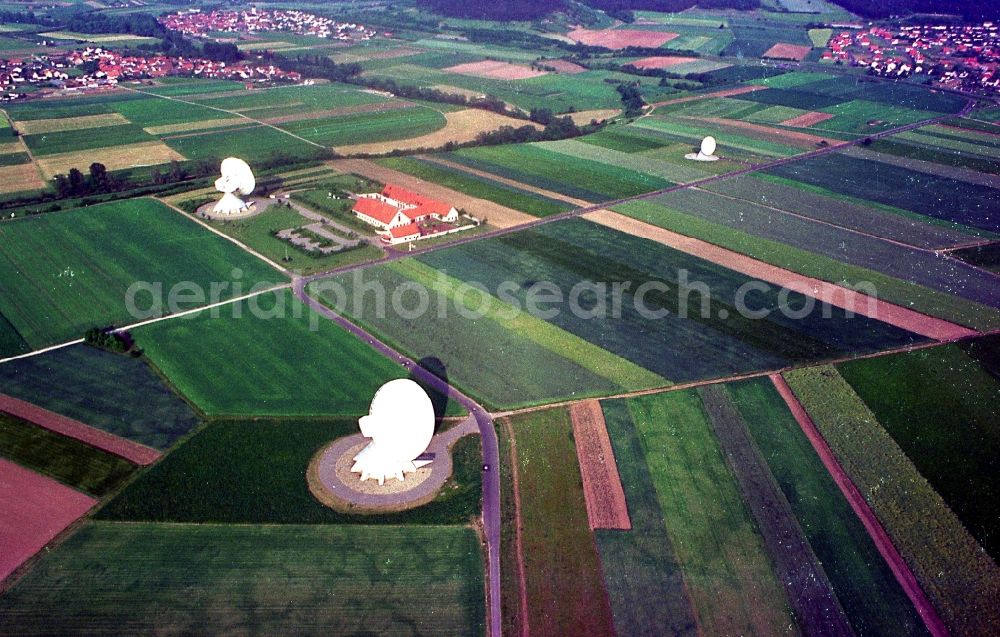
[(487, 434)]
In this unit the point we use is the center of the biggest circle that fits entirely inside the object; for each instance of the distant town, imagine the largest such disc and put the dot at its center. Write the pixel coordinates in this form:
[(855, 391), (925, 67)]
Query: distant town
[(959, 57), (97, 68), (197, 23)]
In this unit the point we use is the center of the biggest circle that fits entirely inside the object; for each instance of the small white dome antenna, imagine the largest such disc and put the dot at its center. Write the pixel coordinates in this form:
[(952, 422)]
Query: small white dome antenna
[(707, 151), (237, 179), (401, 425)]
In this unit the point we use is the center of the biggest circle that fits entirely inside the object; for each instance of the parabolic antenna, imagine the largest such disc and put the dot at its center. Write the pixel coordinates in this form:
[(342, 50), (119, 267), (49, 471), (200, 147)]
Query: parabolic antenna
[(400, 423), (706, 152), (708, 146), (237, 178)]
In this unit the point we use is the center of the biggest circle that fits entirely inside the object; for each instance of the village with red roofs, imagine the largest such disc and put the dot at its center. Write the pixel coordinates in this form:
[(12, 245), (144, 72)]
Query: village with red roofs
[(197, 23), (958, 57)]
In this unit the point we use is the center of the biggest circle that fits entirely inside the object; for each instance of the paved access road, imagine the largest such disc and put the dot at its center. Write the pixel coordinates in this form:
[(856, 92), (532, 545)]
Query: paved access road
[(488, 435)]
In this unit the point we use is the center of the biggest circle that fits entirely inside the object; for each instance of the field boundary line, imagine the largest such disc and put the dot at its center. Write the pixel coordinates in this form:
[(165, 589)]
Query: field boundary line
[(823, 222), (518, 530), (130, 450), (823, 291), (222, 110), (810, 594), (652, 391), (225, 236), (507, 181), (877, 533)]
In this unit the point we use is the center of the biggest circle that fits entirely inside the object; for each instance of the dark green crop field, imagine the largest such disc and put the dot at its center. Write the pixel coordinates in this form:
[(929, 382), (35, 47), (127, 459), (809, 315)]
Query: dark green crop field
[(114, 578)]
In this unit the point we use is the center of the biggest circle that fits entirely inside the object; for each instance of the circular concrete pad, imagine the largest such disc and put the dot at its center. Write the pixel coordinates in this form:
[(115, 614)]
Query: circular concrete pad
[(332, 482)]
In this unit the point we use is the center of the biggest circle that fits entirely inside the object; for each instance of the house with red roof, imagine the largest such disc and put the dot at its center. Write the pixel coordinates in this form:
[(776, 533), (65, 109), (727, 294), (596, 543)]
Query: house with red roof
[(403, 215)]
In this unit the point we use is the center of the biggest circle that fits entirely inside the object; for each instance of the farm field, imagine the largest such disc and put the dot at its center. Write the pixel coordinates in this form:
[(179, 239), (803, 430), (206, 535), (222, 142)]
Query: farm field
[(871, 219), (737, 145), (939, 407), (207, 578), (69, 461), (727, 572), (534, 165), (651, 332), (815, 91), (254, 472), (798, 569), (865, 586), (565, 590), (33, 509), (69, 271), (951, 567), (274, 336), (459, 127), (476, 186), (369, 127), (641, 563), (922, 193), (532, 361), (119, 394), (814, 251)]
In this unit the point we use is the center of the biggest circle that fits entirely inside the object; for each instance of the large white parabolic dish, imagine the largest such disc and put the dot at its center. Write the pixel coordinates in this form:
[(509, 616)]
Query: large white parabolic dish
[(237, 179), (400, 423)]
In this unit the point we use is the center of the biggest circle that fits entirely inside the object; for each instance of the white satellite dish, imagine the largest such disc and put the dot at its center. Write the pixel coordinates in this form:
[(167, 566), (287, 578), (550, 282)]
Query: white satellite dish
[(400, 423), (707, 151), (236, 179)]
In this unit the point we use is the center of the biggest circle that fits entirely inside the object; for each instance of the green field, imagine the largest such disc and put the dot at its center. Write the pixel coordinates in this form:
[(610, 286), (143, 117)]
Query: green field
[(69, 271), (116, 393), (261, 142), (865, 586), (872, 219), (930, 195), (677, 332), (268, 356), (921, 298), (531, 360), (728, 574), (565, 590), (639, 162), (306, 580), (254, 472), (401, 123), (476, 186), (86, 139), (733, 144), (576, 177), (641, 564), (67, 460), (939, 406), (951, 567)]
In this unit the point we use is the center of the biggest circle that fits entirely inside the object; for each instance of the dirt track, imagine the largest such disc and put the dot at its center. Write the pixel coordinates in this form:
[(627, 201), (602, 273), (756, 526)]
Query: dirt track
[(857, 501), (798, 569), (602, 486), (794, 138), (822, 291), (131, 451), (729, 92), (377, 107), (497, 215), (511, 182)]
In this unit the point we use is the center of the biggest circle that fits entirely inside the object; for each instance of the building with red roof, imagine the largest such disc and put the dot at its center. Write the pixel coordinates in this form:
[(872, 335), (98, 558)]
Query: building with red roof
[(403, 215)]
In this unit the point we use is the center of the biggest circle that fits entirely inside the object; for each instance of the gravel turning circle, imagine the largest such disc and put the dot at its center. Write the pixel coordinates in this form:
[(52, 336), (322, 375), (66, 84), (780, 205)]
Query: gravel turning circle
[(255, 209), (332, 483)]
